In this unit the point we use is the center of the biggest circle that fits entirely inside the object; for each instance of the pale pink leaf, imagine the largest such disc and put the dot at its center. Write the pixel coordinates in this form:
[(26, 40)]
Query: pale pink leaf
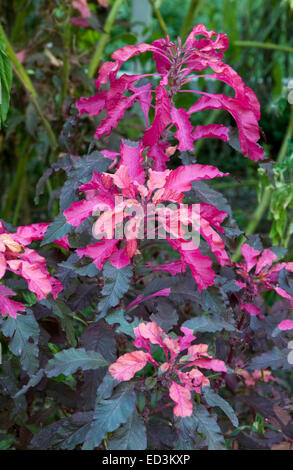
[(127, 365), (182, 398)]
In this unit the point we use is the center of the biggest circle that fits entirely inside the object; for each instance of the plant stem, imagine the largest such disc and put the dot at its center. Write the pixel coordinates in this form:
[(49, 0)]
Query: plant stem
[(264, 45), (159, 18), (19, 198), (27, 84), (66, 63), (16, 183), (266, 197), (104, 38), (193, 10)]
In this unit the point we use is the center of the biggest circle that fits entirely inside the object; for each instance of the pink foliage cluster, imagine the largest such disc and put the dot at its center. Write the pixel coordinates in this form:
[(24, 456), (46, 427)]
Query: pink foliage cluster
[(176, 65), (140, 189), (173, 369), (259, 274), (251, 380), (16, 257)]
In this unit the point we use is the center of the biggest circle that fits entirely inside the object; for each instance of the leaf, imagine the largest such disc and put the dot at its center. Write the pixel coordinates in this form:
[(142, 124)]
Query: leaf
[(182, 398), (117, 282), (68, 361), (57, 229), (166, 316), (214, 399), (120, 317), (66, 433), (24, 333), (275, 359), (33, 381), (202, 422), (209, 323), (127, 365), (5, 82), (130, 436), (110, 414), (63, 312)]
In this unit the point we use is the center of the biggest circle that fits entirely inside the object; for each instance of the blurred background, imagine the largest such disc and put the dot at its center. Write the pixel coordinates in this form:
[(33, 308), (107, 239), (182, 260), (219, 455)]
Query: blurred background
[(55, 48)]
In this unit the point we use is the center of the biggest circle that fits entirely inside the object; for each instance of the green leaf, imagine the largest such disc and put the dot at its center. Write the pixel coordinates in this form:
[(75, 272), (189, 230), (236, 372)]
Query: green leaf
[(120, 316), (205, 424), (62, 311), (66, 433), (57, 229), (33, 381), (24, 333), (5, 82), (110, 414), (68, 361), (214, 399), (130, 436), (208, 323), (275, 359), (117, 282)]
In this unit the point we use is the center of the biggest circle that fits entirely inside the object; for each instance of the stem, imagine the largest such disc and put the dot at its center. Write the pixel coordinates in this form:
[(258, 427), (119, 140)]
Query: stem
[(66, 63), (159, 18), (27, 84), (193, 10), (104, 38), (266, 197), (19, 198), (264, 45), (16, 183)]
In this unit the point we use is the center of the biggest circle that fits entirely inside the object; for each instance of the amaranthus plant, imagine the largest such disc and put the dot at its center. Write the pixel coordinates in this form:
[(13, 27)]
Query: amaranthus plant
[(140, 255)]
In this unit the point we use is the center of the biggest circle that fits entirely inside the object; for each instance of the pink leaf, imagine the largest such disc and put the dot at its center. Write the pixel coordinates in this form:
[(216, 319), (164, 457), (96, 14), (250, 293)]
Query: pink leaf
[(251, 309), (187, 339), (180, 179), (211, 131), (2, 265), (173, 268), (93, 105), (250, 255), (125, 53), (38, 279), (245, 118), (99, 252), (114, 116), (182, 398), (140, 298), (157, 153), (82, 7), (286, 325), (152, 332), (199, 264), (26, 234), (183, 134), (162, 117), (81, 210), (8, 306), (213, 364), (266, 259), (144, 96), (131, 157), (127, 365), (119, 259)]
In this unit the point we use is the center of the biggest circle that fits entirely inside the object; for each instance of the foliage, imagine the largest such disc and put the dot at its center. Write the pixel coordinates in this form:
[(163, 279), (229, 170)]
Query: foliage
[(146, 339)]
